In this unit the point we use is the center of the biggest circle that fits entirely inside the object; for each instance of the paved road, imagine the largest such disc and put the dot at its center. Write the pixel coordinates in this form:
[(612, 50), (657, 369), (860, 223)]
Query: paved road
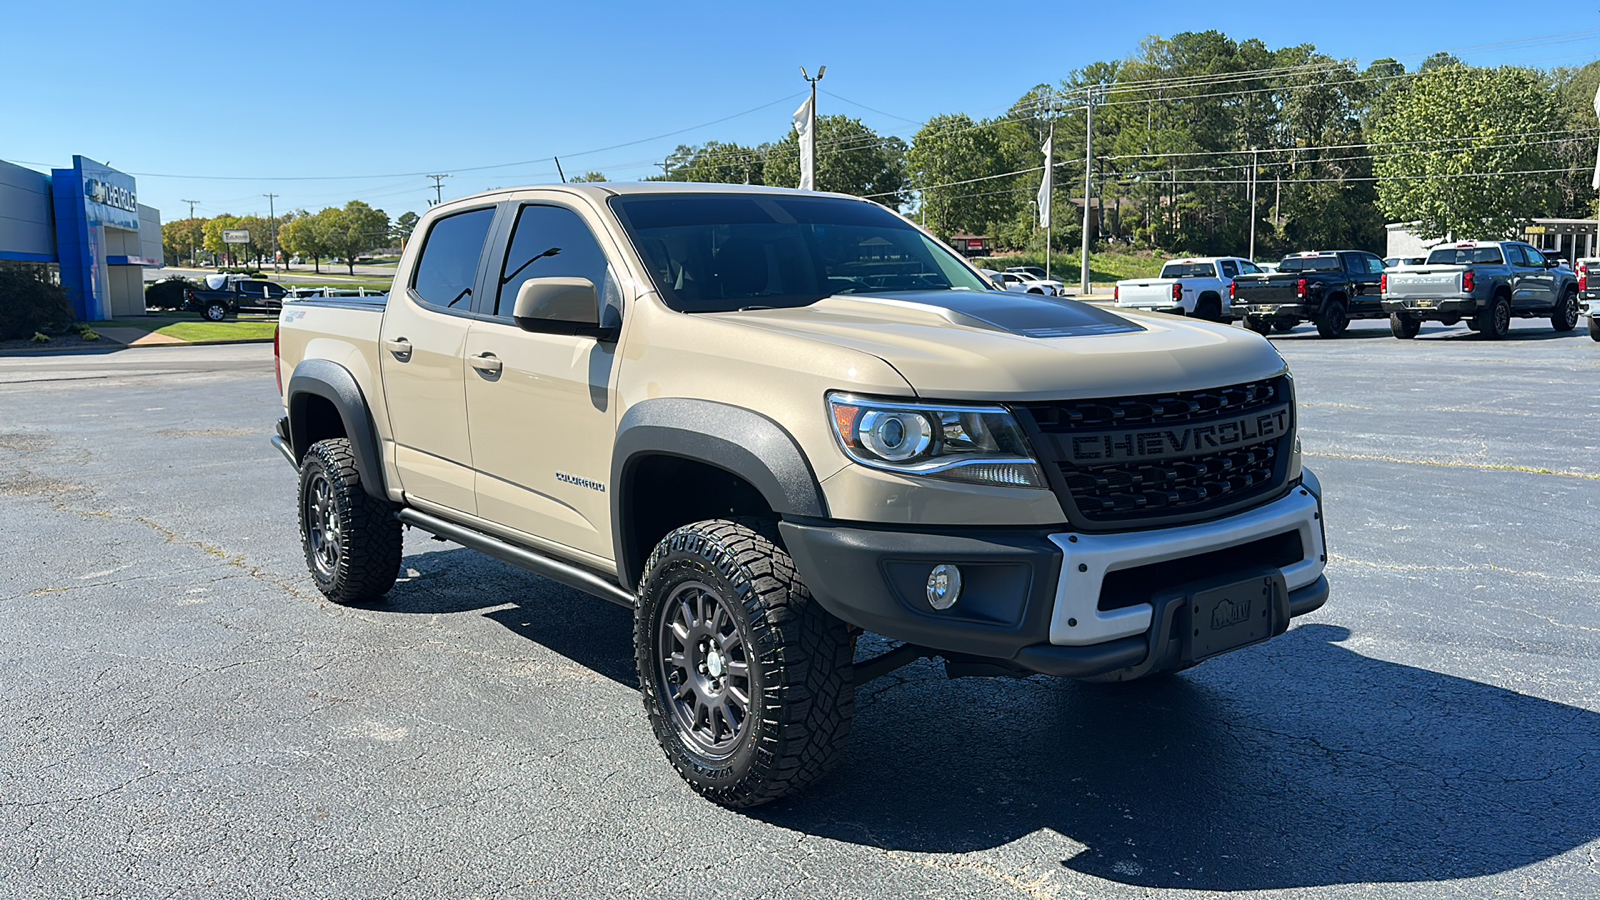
[(185, 715)]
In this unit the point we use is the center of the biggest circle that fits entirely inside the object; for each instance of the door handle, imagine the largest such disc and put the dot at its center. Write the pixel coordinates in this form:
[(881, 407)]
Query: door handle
[(399, 346), (487, 363)]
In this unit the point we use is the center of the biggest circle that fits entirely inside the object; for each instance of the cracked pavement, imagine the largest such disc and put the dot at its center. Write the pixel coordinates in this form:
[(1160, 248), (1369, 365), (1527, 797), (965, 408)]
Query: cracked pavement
[(186, 716)]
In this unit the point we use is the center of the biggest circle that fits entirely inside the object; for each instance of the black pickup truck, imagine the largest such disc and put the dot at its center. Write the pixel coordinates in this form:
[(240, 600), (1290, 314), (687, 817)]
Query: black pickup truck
[(1328, 288), (226, 298)]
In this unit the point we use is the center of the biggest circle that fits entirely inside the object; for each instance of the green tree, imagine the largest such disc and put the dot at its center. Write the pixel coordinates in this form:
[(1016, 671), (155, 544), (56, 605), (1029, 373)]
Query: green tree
[(407, 223), (713, 162), (1490, 181), (353, 230), (302, 237), (851, 159), (213, 230), (180, 239), (589, 177), (951, 149), (1575, 91)]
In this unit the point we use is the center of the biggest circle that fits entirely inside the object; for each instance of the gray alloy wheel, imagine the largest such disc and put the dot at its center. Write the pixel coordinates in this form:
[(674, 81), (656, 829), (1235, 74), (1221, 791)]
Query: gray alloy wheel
[(1494, 323), (351, 539), (216, 311), (704, 667)]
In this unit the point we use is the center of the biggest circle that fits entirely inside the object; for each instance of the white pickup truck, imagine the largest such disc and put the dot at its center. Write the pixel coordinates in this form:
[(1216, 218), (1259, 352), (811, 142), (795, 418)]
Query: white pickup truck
[(1188, 287)]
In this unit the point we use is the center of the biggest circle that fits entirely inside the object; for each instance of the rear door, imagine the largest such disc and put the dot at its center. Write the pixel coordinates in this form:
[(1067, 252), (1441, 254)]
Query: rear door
[(541, 408), (422, 357)]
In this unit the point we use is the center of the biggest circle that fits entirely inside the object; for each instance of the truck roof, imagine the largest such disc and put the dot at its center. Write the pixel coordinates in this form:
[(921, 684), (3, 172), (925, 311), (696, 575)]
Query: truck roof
[(601, 190)]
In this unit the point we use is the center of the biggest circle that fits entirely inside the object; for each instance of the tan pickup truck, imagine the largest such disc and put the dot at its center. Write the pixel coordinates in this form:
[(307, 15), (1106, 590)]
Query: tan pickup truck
[(768, 421)]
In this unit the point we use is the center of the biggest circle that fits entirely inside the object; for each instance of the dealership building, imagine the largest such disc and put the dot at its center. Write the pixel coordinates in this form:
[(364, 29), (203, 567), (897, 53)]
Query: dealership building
[(87, 223)]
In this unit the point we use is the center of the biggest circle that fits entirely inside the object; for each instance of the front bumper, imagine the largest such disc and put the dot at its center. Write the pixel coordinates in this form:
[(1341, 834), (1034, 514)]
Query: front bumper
[(1064, 603), (1434, 307)]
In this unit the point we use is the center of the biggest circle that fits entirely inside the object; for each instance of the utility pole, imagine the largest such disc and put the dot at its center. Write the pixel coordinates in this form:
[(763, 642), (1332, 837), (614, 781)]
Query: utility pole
[(1088, 184), (1253, 158), (438, 190), (191, 216), (272, 223), (811, 124), (1277, 200)]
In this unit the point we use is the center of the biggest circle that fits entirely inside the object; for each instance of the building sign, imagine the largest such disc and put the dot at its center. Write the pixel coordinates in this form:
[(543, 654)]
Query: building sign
[(236, 237), (108, 194), (1534, 229)]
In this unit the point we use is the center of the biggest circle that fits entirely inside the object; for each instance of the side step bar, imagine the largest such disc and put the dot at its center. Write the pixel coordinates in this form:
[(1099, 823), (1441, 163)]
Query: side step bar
[(521, 557)]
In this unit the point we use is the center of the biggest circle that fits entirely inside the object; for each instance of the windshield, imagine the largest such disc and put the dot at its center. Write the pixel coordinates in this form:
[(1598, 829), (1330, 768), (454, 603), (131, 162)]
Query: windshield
[(1464, 256), (715, 253), (1187, 270), (1309, 264)]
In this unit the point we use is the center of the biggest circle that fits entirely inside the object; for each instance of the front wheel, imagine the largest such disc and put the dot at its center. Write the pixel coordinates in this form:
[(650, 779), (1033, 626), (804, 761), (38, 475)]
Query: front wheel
[(351, 538), (748, 682), (1404, 327), (1565, 316)]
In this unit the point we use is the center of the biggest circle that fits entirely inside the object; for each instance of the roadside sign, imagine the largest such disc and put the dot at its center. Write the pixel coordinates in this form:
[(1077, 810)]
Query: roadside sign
[(1534, 229), (236, 237)]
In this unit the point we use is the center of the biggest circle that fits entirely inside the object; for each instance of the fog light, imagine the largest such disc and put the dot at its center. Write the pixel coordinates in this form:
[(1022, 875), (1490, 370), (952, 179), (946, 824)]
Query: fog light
[(944, 586)]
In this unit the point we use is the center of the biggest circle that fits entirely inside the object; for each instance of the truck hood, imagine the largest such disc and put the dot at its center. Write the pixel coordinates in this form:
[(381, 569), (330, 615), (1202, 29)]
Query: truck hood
[(990, 346)]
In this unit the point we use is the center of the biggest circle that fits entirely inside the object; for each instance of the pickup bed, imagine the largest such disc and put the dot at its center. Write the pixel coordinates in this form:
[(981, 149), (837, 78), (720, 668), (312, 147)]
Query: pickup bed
[(1328, 288), (1483, 283), (766, 421), (1187, 287)]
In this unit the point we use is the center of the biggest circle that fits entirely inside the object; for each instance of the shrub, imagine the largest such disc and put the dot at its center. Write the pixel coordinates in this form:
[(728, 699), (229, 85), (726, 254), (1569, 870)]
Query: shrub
[(168, 292), (30, 303)]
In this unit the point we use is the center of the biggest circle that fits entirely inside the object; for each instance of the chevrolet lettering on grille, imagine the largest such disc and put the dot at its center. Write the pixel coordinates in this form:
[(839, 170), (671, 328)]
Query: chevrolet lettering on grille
[(1139, 444)]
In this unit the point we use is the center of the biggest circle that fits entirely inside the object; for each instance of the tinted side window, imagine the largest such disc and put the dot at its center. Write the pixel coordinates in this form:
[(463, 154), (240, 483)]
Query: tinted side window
[(449, 263), (1374, 265), (1250, 268), (1535, 258), (550, 242), (1229, 269), (1514, 255)]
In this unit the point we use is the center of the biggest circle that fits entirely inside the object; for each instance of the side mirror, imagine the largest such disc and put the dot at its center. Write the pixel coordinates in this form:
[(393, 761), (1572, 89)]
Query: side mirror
[(560, 306)]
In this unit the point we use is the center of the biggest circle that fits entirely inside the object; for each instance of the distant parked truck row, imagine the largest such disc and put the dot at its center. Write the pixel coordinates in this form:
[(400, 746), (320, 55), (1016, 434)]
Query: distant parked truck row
[(1482, 283)]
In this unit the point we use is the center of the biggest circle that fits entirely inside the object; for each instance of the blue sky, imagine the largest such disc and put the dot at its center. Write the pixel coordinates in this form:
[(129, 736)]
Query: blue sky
[(294, 97)]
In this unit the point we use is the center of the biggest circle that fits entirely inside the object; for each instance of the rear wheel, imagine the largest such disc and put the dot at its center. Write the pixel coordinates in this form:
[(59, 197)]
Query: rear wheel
[(1284, 326), (351, 538), (1258, 325), (1565, 316), (747, 680), (215, 311), (1494, 322), (1209, 308), (1334, 320), (1594, 328), (1404, 327)]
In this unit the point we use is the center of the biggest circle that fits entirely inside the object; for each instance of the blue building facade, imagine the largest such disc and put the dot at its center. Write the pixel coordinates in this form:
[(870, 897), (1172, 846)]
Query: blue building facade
[(88, 221)]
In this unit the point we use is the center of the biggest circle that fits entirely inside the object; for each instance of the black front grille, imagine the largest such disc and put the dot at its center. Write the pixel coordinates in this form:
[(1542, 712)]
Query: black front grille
[(1175, 487)]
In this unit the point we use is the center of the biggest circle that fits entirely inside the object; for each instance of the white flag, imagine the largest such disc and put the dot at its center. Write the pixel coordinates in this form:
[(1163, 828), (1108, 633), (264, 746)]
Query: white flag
[(1047, 186), (1595, 183), (802, 124)]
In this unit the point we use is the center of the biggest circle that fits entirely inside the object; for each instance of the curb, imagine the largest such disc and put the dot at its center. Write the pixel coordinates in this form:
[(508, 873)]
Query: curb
[(113, 346)]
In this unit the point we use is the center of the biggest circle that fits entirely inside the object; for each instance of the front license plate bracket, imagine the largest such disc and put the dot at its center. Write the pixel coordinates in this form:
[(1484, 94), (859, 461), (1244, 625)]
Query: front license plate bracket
[(1238, 613)]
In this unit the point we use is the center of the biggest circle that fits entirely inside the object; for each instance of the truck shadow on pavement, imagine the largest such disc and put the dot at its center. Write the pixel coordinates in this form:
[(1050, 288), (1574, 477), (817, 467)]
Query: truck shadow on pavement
[(1295, 764)]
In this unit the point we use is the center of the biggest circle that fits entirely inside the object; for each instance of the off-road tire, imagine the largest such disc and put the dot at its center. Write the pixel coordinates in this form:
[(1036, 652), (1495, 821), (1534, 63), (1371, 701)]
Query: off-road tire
[(1259, 325), (358, 561), (1594, 328), (797, 663), (1334, 320), (215, 311), (1565, 316), (1404, 327), (1494, 320)]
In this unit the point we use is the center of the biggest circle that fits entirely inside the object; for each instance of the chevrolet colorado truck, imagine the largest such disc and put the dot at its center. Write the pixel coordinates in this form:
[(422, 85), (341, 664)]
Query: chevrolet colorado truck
[(1328, 288), (1483, 283), (1186, 287), (767, 421)]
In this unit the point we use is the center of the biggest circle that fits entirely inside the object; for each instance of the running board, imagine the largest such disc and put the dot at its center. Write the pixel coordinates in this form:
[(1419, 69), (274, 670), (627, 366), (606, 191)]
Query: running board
[(521, 557)]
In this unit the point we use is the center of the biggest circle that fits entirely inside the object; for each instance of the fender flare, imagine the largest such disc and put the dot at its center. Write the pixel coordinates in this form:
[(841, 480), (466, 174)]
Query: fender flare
[(731, 438), (334, 383)]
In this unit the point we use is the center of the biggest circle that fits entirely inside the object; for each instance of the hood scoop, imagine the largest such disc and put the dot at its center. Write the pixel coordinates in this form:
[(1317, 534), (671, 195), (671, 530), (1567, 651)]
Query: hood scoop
[(1026, 315)]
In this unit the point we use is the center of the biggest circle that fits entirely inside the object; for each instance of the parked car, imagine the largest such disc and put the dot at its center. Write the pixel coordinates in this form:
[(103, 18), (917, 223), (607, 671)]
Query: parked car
[(1483, 283), (1037, 273), (1326, 287), (1092, 495), (1027, 284), (226, 295), (1189, 287)]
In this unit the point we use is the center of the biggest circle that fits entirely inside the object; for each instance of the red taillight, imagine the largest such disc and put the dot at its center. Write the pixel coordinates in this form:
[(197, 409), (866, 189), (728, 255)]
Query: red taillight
[(277, 362), (1233, 290), (1300, 289), (1583, 281), (1383, 283), (1177, 291), (1467, 281)]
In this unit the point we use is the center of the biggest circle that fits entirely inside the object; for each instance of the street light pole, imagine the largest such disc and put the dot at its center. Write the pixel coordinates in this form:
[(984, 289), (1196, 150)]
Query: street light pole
[(272, 224), (811, 122)]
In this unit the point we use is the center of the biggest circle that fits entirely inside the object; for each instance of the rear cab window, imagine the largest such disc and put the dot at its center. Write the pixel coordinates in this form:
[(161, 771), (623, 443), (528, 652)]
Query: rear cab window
[(448, 268), (1465, 256), (1188, 270), (1329, 263)]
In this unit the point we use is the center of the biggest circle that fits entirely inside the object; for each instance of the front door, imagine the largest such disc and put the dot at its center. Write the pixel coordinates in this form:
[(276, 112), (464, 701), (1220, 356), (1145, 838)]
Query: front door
[(421, 354), (541, 407), (1536, 286)]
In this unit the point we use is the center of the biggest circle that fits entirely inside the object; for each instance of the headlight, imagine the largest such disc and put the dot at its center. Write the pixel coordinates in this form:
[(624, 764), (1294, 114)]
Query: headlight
[(972, 444)]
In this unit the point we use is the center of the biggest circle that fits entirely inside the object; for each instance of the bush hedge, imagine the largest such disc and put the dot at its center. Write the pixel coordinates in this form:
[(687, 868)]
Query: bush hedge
[(168, 292), (30, 302)]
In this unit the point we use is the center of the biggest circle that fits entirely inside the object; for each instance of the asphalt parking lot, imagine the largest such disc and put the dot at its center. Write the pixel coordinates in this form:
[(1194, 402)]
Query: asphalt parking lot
[(185, 715)]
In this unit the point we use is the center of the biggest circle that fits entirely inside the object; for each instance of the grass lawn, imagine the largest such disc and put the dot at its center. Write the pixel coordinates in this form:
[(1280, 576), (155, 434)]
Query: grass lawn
[(186, 327)]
